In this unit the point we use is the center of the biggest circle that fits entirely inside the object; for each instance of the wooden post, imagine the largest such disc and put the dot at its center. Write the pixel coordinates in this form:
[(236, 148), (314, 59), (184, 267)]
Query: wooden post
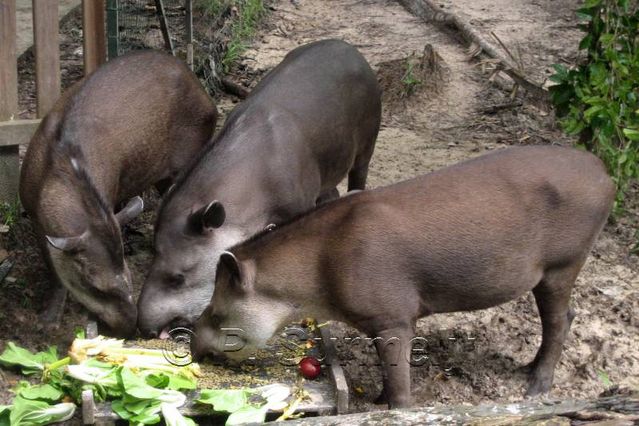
[(47, 53), (94, 34), (189, 32), (113, 38), (168, 43), (9, 155)]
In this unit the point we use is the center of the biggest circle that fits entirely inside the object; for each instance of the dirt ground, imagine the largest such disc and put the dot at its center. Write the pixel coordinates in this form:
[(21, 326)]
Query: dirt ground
[(453, 114)]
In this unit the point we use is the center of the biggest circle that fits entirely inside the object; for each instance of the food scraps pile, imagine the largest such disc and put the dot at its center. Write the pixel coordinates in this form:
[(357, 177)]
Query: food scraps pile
[(142, 385)]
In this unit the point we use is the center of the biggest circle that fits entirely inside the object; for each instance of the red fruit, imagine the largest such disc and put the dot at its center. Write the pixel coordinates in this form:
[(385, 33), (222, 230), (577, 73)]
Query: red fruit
[(310, 367)]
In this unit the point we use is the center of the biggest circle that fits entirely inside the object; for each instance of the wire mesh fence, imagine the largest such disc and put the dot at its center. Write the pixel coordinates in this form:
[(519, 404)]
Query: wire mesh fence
[(139, 25)]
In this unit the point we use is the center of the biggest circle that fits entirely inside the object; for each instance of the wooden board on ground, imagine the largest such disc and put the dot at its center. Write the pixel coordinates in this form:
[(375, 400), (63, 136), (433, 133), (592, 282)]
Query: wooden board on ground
[(328, 394)]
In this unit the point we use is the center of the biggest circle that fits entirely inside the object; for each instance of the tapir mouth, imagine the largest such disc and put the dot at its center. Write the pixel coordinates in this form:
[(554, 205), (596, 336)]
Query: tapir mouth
[(178, 323)]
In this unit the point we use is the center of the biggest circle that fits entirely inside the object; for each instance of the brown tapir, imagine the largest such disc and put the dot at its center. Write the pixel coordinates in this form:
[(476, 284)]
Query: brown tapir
[(311, 121), (467, 237), (135, 122)]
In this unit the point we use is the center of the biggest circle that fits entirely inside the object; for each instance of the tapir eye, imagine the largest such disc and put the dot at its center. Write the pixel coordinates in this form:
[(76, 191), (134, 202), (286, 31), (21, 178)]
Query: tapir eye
[(177, 280)]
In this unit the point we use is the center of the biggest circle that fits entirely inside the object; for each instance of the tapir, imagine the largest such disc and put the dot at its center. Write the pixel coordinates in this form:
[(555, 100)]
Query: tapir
[(309, 123), (135, 122), (467, 237)]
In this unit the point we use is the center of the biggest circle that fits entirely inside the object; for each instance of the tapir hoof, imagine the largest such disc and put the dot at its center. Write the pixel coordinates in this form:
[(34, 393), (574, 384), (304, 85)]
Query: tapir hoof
[(381, 399), (538, 385)]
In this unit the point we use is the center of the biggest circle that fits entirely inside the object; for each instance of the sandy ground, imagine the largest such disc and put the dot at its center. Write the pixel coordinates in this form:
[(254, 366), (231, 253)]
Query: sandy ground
[(473, 357), (24, 21)]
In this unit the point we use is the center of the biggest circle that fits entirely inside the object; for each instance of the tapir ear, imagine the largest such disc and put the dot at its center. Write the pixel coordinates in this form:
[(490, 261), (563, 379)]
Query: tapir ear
[(208, 217), (69, 244), (229, 260), (132, 209)]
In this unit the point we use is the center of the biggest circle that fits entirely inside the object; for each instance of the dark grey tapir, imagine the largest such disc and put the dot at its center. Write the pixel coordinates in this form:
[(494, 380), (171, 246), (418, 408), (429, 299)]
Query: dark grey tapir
[(310, 122), (466, 237), (136, 121)]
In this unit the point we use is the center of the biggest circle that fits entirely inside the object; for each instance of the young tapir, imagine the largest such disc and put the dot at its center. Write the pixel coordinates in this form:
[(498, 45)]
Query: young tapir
[(467, 237), (136, 121), (311, 121)]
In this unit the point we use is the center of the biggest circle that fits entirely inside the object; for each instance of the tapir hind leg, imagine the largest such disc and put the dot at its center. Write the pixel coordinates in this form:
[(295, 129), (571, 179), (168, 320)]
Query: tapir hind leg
[(359, 171), (552, 295)]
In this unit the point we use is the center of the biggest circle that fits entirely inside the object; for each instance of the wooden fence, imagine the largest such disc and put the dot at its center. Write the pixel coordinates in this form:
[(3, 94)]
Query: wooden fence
[(15, 132)]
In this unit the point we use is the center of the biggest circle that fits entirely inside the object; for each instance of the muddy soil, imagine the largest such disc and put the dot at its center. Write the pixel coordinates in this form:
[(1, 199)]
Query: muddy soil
[(449, 113)]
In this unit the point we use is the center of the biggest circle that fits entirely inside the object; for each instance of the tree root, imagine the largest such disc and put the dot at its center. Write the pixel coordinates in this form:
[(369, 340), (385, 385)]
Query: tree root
[(429, 11)]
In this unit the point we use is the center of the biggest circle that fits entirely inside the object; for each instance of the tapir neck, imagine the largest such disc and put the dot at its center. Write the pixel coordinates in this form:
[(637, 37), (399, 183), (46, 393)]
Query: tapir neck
[(291, 266)]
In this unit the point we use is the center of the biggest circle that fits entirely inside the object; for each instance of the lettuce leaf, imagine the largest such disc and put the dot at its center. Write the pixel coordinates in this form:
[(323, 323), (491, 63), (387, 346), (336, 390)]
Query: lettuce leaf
[(172, 417), (34, 413), (43, 392), (29, 363), (5, 411), (226, 400), (248, 414)]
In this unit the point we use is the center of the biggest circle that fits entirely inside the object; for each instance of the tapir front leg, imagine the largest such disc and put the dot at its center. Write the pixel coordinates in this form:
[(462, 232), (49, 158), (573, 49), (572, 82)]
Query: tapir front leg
[(394, 349)]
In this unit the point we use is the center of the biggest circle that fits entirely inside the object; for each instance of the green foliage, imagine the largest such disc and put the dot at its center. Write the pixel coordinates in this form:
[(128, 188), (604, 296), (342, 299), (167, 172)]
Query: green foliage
[(603, 377), (142, 388), (243, 29), (213, 7), (29, 363), (409, 80), (599, 99), (9, 213), (29, 412)]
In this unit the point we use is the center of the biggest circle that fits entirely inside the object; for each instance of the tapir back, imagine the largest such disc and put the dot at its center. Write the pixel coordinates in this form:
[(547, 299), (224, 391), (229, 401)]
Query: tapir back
[(485, 231)]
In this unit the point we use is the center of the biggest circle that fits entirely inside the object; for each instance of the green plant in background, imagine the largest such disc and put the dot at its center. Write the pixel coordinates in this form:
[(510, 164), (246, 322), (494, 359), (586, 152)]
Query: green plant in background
[(409, 80), (213, 7), (243, 29), (9, 213), (599, 99)]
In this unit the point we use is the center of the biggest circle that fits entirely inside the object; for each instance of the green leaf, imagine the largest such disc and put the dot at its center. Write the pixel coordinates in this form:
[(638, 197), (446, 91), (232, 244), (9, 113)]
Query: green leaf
[(605, 380), (32, 413), (5, 411), (591, 3), (228, 400), (172, 417), (118, 408), (136, 386), (173, 381), (44, 392), (593, 110), (247, 414), (29, 363), (631, 134), (560, 71), (79, 333), (586, 42), (157, 380)]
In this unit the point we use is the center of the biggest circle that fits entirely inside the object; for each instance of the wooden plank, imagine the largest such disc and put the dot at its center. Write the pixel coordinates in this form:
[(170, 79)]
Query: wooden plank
[(336, 371), (159, 7), (9, 155), (620, 409), (88, 407), (17, 132), (47, 53), (93, 14), (8, 61)]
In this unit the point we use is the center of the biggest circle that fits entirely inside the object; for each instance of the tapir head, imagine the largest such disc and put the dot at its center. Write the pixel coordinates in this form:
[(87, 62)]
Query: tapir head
[(180, 282), (240, 317), (92, 266)]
